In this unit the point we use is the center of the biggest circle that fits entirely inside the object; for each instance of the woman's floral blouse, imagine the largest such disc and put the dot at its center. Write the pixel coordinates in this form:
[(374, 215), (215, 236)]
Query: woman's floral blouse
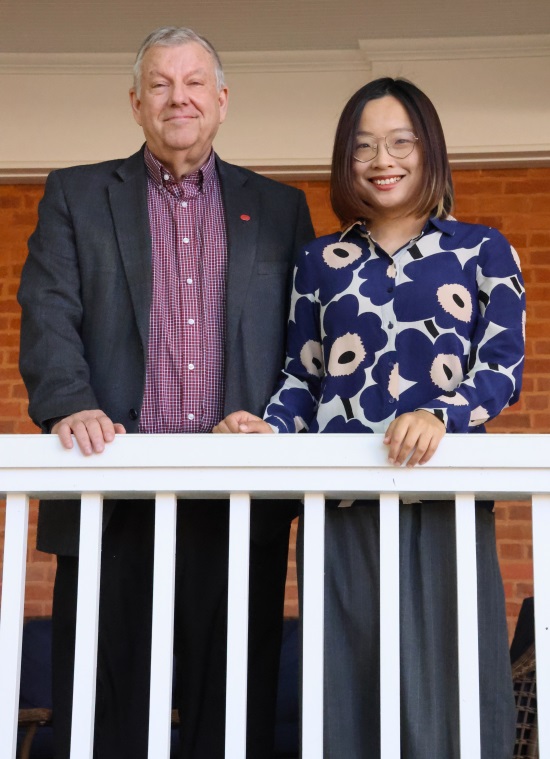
[(440, 325)]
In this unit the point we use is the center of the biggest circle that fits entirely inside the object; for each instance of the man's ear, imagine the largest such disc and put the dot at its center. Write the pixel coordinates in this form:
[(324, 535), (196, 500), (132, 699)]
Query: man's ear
[(223, 99), (135, 103)]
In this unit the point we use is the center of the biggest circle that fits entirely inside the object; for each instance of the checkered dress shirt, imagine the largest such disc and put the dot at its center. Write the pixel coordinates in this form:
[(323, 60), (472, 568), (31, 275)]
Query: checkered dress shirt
[(185, 364)]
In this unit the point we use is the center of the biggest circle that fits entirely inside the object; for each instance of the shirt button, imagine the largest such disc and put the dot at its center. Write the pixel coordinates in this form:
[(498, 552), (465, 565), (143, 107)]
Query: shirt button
[(390, 325), (189, 281), (191, 417), (185, 239), (390, 289), (166, 177), (190, 321), (184, 204), (191, 366)]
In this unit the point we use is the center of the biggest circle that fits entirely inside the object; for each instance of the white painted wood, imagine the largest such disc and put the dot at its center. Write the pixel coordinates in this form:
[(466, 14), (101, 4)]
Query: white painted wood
[(280, 113), (390, 702), (162, 640), (237, 626), (344, 466), (11, 618), (208, 465), (87, 614), (541, 571), (313, 626), (468, 659)]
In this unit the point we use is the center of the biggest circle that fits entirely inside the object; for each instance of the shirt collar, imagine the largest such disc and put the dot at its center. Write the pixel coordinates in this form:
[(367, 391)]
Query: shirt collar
[(190, 185), (446, 226)]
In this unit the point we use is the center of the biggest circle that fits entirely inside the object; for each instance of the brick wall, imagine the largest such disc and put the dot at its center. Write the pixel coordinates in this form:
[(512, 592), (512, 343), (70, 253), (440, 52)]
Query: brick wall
[(516, 201), (18, 206)]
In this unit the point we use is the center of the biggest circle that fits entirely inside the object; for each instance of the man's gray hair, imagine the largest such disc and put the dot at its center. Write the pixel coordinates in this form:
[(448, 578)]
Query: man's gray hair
[(173, 36)]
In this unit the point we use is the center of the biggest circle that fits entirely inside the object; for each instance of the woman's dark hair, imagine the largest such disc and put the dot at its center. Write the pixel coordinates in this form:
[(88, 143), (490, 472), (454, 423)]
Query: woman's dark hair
[(437, 195)]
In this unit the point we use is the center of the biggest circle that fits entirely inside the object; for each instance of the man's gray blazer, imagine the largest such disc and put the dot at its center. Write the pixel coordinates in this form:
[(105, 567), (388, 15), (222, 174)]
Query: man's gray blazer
[(86, 290)]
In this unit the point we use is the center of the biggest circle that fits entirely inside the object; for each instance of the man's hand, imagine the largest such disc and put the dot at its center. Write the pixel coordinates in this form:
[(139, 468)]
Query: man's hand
[(242, 421), (92, 429), (417, 432)]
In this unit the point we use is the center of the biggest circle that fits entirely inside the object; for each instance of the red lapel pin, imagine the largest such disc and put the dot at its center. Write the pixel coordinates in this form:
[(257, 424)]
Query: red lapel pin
[(245, 217)]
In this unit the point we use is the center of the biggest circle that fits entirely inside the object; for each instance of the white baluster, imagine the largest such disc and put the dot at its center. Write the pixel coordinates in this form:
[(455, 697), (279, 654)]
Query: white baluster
[(468, 658), (313, 626), (11, 618), (85, 662), (390, 700), (237, 627), (541, 570), (162, 638)]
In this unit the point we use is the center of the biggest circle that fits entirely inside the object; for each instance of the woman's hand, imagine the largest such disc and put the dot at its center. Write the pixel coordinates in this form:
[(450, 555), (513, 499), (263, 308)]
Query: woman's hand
[(417, 432), (242, 421)]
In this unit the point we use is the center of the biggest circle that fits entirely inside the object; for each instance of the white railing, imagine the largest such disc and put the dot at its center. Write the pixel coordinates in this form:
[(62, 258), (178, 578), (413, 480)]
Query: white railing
[(503, 467)]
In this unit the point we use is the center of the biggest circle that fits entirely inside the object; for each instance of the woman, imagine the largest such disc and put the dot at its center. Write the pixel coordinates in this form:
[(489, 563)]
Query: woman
[(408, 323)]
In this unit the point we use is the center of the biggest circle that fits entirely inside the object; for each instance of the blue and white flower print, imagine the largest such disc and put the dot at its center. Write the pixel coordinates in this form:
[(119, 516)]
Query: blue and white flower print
[(440, 325)]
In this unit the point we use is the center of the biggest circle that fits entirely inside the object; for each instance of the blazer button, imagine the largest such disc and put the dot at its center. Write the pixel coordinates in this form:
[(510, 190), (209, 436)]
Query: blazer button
[(133, 414)]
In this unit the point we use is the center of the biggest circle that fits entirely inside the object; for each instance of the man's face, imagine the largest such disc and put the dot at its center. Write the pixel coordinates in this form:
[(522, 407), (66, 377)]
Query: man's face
[(179, 106)]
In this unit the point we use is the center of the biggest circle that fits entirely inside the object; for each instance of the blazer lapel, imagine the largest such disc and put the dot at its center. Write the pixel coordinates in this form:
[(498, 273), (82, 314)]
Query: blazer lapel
[(242, 215), (128, 199)]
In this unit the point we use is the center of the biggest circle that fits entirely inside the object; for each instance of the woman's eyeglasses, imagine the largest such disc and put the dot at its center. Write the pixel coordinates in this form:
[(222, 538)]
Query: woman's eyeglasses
[(400, 143)]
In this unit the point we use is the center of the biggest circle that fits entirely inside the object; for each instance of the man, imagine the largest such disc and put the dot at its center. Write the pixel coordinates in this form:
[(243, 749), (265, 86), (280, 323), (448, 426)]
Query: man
[(154, 299)]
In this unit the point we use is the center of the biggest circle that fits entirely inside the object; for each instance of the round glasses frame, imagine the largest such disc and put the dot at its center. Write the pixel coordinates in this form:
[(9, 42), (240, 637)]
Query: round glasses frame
[(393, 150)]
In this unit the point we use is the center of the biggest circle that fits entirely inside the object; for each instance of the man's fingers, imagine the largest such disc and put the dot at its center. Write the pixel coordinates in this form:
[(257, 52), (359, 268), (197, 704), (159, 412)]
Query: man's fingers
[(91, 429), (63, 431)]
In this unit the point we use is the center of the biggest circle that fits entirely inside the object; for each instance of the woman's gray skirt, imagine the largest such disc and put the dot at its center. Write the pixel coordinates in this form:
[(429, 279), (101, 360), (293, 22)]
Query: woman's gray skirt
[(429, 671)]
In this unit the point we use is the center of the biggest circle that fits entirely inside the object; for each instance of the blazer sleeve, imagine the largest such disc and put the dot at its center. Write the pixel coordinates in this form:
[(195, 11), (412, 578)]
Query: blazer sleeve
[(52, 359)]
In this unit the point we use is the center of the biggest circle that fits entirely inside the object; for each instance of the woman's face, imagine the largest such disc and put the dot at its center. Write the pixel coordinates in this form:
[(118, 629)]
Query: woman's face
[(389, 185)]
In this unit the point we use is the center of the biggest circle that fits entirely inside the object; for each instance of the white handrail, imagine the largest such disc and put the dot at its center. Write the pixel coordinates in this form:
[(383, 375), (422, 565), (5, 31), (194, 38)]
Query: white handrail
[(504, 467)]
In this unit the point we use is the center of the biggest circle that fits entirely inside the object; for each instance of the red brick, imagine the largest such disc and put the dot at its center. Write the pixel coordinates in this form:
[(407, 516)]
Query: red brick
[(520, 512), (511, 551), (539, 239), (537, 402), (537, 365), (517, 570), (524, 589), (9, 201), (514, 532)]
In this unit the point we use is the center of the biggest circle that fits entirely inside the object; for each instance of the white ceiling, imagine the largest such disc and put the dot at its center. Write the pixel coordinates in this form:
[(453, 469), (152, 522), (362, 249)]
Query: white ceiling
[(112, 26)]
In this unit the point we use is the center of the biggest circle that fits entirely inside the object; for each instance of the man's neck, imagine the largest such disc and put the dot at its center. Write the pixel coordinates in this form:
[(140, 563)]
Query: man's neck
[(182, 164)]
